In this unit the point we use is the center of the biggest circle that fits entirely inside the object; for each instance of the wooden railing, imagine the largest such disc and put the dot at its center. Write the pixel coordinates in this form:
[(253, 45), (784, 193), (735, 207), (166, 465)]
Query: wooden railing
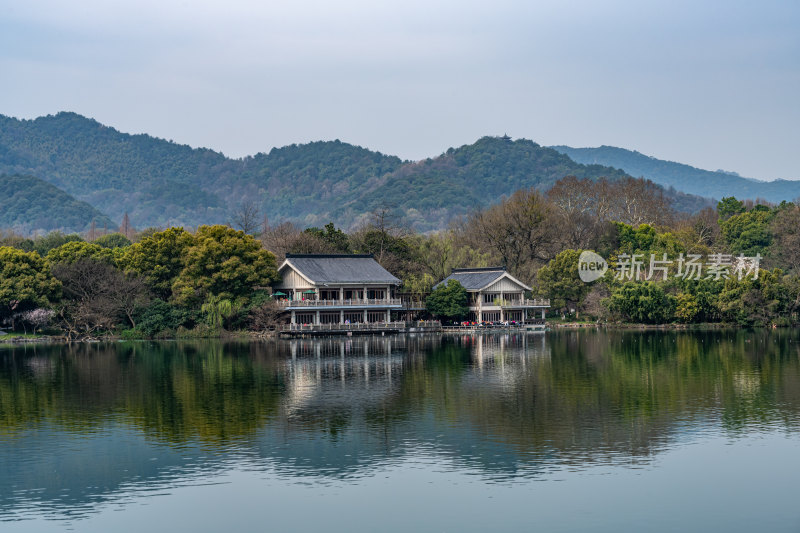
[(412, 303), (474, 326), (423, 324), (536, 302), (370, 326), (340, 303)]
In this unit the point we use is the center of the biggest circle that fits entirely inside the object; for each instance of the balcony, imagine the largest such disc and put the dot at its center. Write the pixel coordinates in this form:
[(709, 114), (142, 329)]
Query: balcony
[(331, 304), (412, 304), (515, 304)]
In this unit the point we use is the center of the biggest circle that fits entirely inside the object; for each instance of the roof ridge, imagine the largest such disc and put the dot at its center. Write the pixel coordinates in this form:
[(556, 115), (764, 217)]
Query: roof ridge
[(330, 256), (479, 269)]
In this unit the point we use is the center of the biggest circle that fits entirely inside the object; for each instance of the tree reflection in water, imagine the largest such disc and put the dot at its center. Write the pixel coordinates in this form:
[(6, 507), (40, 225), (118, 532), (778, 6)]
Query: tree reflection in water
[(81, 423)]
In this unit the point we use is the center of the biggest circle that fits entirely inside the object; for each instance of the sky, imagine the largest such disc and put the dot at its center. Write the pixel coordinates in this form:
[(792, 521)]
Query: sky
[(713, 84)]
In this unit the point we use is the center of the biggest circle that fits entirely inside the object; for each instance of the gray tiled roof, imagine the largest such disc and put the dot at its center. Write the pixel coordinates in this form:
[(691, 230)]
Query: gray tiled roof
[(341, 269), (476, 279)]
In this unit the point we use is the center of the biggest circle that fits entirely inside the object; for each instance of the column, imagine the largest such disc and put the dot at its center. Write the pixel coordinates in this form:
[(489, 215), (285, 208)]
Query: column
[(388, 316), (365, 293), (542, 313), (365, 316), (294, 318), (341, 316), (316, 318), (341, 294)]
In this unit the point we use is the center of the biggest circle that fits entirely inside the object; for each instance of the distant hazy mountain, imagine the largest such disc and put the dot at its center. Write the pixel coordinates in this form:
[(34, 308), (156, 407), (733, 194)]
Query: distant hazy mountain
[(30, 204), (684, 177), (162, 183)]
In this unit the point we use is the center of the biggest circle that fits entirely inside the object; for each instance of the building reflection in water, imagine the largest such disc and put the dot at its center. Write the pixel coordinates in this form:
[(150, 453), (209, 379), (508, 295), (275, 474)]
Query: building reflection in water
[(80, 424)]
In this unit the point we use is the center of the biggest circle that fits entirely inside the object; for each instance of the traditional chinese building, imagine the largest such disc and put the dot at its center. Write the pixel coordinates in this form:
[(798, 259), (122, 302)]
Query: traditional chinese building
[(494, 295), (336, 289)]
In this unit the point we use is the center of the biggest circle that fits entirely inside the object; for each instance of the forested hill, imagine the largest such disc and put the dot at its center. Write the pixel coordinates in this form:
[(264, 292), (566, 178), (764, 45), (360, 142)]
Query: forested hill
[(161, 183), (32, 205), (307, 183), (156, 181), (432, 191), (684, 177)]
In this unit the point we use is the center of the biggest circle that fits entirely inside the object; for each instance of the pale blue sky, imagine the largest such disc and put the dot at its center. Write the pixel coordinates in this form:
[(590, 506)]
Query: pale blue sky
[(712, 84)]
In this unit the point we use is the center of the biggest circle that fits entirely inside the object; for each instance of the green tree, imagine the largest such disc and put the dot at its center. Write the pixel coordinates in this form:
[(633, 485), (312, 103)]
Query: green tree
[(703, 306), (439, 254), (448, 301), (332, 236), (15, 240), (729, 206), (218, 310), (757, 302), (54, 239), (643, 302), (113, 240), (559, 281), (223, 262), (749, 233), (418, 286), (159, 258), (25, 282), (160, 316), (686, 307), (72, 252), (635, 240)]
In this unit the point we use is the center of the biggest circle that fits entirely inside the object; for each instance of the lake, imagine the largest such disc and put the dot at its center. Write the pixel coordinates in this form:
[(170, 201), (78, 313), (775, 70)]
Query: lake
[(578, 430)]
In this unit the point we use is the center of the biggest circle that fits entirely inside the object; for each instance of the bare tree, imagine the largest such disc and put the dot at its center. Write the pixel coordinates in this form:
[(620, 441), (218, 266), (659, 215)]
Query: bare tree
[(125, 228), (96, 295), (288, 238), (279, 239), (247, 217), (439, 253), (265, 317), (639, 201), (521, 232), (786, 248), (632, 201)]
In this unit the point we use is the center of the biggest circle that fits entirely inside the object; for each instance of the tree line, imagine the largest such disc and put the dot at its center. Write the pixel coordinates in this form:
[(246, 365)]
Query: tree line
[(166, 282)]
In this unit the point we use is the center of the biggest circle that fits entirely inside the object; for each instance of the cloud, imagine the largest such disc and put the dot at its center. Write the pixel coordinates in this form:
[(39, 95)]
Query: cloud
[(694, 82)]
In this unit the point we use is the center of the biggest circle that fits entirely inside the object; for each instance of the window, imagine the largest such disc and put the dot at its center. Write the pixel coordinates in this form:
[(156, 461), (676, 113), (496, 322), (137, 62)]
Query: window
[(305, 318), (376, 316)]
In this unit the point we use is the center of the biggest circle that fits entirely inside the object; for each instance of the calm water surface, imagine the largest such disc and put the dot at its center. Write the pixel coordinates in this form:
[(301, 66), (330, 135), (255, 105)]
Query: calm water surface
[(568, 431)]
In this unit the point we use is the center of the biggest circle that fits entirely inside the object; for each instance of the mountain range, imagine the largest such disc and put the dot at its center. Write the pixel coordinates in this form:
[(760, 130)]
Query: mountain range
[(160, 183), (691, 180)]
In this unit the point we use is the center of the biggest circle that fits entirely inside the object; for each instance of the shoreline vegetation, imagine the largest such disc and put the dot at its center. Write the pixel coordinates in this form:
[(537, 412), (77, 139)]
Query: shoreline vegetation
[(14, 339), (215, 281)]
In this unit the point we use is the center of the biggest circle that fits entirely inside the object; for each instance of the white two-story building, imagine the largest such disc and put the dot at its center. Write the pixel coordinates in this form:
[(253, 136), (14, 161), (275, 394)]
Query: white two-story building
[(336, 289), (494, 295)]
